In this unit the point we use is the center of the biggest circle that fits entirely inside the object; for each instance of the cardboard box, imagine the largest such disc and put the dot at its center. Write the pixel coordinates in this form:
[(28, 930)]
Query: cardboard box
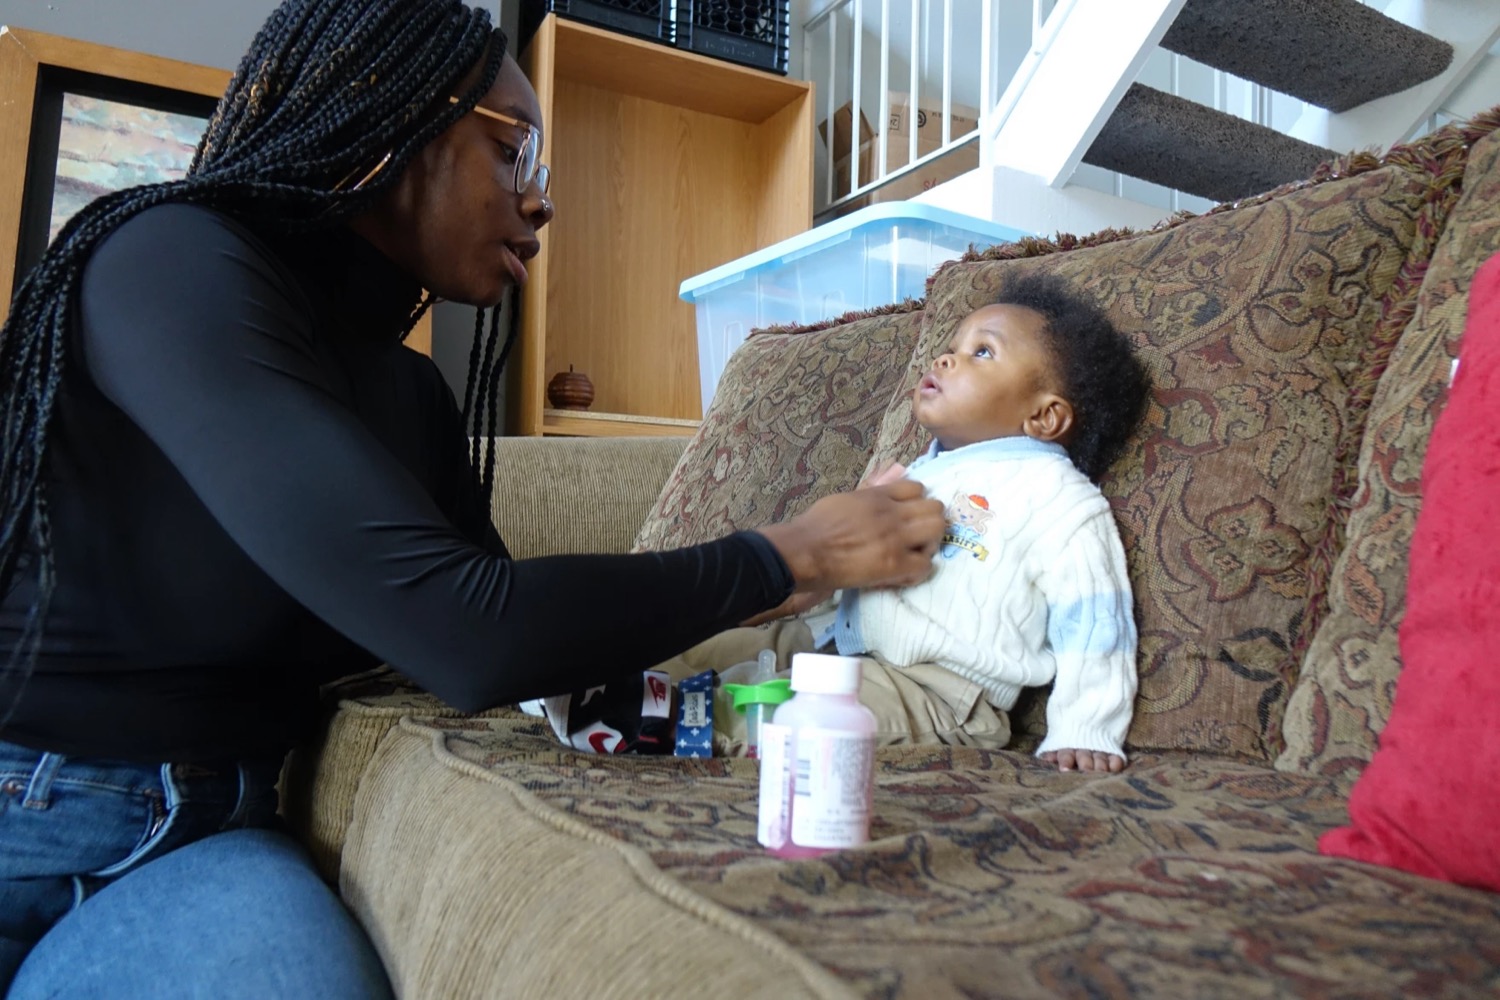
[(928, 120), (929, 124), (842, 119)]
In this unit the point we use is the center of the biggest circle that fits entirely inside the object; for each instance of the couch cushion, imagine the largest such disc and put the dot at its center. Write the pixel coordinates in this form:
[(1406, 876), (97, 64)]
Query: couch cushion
[(487, 859), (1425, 804), (473, 888), (1348, 678), (1256, 323), (557, 495), (794, 419), (319, 782)]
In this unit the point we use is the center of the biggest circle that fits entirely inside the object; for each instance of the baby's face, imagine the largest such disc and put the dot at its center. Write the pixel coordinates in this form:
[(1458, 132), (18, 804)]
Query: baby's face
[(994, 378)]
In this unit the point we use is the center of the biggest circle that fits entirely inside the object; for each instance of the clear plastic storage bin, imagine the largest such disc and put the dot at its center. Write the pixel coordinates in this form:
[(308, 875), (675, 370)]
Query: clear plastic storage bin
[(873, 257)]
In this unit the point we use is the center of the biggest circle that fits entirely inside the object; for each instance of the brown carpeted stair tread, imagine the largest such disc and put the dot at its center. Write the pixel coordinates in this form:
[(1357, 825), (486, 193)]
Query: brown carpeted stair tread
[(1336, 54), (1170, 140)]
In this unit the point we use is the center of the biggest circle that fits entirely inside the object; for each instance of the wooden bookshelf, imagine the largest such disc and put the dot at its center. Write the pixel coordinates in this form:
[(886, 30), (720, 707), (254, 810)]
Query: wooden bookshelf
[(586, 423), (664, 165)]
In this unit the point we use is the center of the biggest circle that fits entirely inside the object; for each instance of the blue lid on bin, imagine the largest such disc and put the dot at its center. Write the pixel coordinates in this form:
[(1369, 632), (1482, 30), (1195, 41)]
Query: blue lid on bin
[(985, 233)]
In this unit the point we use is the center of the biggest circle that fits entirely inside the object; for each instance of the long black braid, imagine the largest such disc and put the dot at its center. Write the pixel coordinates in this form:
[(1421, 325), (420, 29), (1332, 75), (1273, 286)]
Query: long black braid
[(482, 393), (329, 90)]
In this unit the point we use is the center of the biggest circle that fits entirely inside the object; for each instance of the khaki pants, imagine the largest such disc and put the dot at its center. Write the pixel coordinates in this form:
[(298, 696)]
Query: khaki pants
[(923, 703)]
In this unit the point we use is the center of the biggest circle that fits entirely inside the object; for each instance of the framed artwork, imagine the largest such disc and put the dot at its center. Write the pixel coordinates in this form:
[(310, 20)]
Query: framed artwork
[(79, 120), (103, 144)]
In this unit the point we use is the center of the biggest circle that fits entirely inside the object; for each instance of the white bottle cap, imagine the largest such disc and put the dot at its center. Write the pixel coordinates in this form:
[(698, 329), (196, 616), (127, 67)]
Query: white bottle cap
[(819, 673)]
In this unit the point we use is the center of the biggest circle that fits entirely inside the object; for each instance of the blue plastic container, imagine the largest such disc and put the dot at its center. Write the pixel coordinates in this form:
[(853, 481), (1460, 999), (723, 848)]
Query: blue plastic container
[(873, 257)]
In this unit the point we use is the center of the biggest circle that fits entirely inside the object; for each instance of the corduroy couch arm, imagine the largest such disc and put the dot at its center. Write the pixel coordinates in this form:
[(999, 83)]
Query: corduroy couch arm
[(570, 495)]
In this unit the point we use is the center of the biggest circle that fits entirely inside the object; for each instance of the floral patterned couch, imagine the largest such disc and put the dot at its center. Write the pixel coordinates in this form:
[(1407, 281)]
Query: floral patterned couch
[(1299, 344)]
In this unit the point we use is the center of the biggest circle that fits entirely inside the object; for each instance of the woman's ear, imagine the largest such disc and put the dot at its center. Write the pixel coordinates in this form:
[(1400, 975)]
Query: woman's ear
[(1051, 420)]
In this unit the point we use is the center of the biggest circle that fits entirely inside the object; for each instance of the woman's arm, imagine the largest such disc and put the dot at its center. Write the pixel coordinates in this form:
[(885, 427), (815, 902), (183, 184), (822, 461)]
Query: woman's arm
[(195, 333)]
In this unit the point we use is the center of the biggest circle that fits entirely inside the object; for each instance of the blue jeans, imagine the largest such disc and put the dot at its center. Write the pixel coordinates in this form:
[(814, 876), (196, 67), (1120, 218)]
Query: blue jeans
[(132, 880)]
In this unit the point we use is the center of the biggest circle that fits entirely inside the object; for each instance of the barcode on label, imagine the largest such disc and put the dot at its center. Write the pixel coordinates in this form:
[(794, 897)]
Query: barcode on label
[(694, 712), (802, 784)]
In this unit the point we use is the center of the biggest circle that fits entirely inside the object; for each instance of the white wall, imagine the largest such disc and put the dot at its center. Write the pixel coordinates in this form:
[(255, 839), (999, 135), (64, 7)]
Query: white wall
[(214, 34), (211, 32), (1480, 92)]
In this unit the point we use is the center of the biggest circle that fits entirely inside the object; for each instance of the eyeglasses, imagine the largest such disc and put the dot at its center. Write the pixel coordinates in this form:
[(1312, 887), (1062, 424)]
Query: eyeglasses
[(527, 167)]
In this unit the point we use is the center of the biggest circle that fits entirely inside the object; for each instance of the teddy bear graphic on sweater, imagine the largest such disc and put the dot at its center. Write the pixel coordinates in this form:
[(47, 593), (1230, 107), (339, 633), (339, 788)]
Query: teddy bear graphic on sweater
[(968, 517)]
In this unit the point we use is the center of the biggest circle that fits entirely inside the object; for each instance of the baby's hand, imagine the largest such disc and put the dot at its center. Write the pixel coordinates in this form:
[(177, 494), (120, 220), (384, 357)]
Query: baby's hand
[(1084, 760), (886, 474)]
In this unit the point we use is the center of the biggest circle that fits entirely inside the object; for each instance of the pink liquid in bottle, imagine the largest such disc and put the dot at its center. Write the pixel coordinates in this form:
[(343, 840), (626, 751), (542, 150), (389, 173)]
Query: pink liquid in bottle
[(817, 762)]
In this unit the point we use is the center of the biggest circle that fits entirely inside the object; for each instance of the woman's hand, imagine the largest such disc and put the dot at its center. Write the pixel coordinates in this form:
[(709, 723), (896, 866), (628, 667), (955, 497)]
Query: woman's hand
[(874, 536)]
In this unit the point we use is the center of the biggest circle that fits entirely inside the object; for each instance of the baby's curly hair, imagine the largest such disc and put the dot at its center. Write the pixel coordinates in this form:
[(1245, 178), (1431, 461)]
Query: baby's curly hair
[(1100, 374)]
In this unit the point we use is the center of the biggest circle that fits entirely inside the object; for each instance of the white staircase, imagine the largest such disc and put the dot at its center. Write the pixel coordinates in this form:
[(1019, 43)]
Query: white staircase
[(1116, 112)]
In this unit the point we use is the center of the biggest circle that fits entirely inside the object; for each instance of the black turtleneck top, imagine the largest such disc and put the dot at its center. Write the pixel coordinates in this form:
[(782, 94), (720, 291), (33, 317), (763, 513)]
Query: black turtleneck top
[(254, 488)]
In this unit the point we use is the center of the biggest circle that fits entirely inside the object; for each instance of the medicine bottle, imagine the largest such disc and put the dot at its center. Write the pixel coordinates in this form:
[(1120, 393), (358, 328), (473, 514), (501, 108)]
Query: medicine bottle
[(817, 761)]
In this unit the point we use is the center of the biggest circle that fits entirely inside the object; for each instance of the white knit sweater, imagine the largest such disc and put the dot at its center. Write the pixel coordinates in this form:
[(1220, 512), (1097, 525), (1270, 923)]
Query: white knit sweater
[(1030, 588)]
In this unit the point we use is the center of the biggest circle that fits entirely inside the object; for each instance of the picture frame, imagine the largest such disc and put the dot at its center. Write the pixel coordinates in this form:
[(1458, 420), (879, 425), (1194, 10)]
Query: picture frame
[(79, 119), (37, 73)]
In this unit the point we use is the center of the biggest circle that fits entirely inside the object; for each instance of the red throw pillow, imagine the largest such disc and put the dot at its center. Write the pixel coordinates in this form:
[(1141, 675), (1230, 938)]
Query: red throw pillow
[(1430, 800)]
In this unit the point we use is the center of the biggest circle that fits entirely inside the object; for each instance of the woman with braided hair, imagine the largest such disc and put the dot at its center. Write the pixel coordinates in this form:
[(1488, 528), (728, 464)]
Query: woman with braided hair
[(224, 481)]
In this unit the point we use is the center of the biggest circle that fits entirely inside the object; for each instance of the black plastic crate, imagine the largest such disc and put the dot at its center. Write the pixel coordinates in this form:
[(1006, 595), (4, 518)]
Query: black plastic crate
[(650, 19), (750, 32)]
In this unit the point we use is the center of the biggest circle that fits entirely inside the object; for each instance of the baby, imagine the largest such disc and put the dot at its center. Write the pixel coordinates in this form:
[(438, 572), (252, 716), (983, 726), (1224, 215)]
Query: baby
[(1031, 402)]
